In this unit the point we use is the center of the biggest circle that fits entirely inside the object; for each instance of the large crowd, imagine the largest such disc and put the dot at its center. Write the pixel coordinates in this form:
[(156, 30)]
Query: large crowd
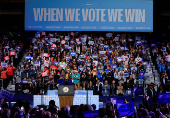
[(23, 110)]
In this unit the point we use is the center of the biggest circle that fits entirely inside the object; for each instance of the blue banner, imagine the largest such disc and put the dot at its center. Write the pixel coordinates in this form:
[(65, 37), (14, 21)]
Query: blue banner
[(35, 47), (91, 114), (81, 68), (78, 42), (3, 64), (163, 98), (95, 56), (73, 54), (56, 63), (52, 49), (36, 63), (126, 109), (27, 57), (106, 46), (89, 15), (109, 34)]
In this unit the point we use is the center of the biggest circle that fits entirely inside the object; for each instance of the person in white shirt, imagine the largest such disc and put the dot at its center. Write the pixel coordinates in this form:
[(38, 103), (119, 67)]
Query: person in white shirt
[(124, 56), (47, 61), (138, 59), (116, 74)]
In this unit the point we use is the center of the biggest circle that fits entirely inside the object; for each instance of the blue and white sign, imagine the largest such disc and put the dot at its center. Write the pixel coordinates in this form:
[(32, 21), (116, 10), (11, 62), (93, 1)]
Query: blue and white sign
[(95, 56), (89, 15), (163, 98), (78, 42), (126, 109), (91, 114), (53, 39), (109, 34), (36, 63), (73, 54), (81, 68), (6, 94), (27, 57), (56, 63), (3, 64), (102, 52), (106, 46), (35, 47)]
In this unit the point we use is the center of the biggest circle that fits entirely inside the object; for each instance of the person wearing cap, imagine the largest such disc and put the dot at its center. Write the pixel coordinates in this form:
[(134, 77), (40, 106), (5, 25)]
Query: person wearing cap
[(138, 59), (100, 76)]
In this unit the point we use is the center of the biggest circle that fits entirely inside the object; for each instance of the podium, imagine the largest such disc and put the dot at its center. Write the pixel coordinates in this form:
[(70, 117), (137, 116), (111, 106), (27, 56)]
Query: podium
[(66, 94)]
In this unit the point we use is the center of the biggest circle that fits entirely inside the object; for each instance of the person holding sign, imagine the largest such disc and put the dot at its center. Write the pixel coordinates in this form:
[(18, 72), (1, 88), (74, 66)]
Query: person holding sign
[(4, 77)]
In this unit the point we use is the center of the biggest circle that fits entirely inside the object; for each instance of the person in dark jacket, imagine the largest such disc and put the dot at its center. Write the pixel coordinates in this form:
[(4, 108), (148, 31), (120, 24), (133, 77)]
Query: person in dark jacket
[(98, 88)]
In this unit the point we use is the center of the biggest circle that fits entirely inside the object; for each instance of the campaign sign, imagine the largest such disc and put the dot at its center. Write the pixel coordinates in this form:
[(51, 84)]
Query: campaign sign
[(122, 48), (88, 64), (27, 57), (6, 58), (110, 51), (119, 58), (109, 34), (138, 43), (138, 91), (69, 47), (83, 39), (36, 63), (72, 42), (3, 64), (45, 54), (37, 35), (61, 36), (67, 37), (126, 74), (81, 68), (35, 47), (44, 74), (126, 109), (12, 52), (73, 54), (53, 39), (116, 38), (63, 42), (163, 98), (130, 40), (114, 66), (51, 35), (138, 38), (89, 37), (6, 94), (117, 100), (52, 49), (102, 52), (91, 114), (100, 70), (95, 56), (57, 40), (67, 58), (78, 42), (106, 46), (7, 47), (107, 71), (56, 63), (81, 56), (91, 42), (63, 65)]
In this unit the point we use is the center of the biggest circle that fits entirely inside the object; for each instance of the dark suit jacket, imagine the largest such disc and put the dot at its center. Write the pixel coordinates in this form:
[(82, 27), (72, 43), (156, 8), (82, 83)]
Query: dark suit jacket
[(149, 92), (96, 92)]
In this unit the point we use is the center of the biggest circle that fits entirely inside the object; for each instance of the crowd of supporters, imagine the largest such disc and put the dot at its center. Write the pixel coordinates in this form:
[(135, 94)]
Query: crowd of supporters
[(11, 53), (23, 110), (107, 64)]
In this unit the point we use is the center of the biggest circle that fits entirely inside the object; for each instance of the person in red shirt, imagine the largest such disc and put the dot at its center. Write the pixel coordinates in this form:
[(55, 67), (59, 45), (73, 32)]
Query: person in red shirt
[(10, 73), (4, 77)]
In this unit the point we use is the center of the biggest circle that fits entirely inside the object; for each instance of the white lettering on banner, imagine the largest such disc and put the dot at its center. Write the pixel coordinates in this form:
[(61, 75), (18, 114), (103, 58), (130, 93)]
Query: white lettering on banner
[(114, 15), (90, 15), (69, 14), (38, 14), (102, 15), (84, 14), (46, 14), (77, 14), (138, 14), (120, 15)]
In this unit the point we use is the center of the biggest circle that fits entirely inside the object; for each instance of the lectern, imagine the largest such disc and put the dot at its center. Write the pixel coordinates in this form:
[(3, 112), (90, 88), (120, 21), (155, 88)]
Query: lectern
[(66, 94)]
